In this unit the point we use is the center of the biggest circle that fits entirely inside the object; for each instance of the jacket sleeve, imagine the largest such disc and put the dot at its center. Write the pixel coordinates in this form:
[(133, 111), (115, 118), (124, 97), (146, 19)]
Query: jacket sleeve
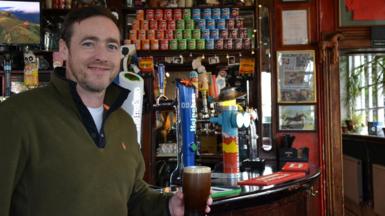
[(13, 154), (143, 200)]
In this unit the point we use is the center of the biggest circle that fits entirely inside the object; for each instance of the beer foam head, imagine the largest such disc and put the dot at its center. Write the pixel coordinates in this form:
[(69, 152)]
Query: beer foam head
[(197, 169)]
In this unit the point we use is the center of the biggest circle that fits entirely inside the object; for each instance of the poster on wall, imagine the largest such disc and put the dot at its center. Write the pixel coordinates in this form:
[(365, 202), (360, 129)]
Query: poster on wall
[(296, 76), (296, 118), (361, 13), (295, 27)]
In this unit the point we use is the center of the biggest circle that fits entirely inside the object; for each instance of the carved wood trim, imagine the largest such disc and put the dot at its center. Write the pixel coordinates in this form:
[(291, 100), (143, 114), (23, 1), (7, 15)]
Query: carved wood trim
[(355, 38), (330, 132)]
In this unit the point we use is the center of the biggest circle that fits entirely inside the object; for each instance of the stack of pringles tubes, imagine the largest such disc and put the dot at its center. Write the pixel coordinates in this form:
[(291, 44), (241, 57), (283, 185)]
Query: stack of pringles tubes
[(190, 29)]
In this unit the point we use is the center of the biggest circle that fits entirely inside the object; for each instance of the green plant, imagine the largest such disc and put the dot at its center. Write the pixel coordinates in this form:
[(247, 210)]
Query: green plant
[(354, 123), (354, 87)]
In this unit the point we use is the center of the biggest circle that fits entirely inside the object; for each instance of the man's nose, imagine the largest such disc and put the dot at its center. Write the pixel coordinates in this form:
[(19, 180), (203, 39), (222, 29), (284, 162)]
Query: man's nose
[(101, 52)]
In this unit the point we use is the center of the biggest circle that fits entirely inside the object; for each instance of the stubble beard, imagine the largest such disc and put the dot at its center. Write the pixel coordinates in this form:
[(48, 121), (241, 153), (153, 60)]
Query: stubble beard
[(82, 79)]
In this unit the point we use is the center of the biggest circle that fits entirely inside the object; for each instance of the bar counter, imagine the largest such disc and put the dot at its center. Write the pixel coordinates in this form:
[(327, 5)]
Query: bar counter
[(296, 197)]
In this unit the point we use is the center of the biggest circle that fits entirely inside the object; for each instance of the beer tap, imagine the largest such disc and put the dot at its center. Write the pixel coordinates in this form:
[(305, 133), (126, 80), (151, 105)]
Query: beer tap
[(254, 162), (203, 88), (186, 116), (161, 83), (161, 97)]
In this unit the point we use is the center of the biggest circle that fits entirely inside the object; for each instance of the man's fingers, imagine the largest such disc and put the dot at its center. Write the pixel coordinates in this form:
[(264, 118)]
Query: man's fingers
[(209, 201), (179, 195), (208, 209)]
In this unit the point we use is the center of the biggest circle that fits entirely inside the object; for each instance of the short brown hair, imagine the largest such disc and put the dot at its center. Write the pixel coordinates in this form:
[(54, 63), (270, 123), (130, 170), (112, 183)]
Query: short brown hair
[(80, 14)]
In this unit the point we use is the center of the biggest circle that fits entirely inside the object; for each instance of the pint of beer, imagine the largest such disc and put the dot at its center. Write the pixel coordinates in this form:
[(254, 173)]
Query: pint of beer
[(196, 189)]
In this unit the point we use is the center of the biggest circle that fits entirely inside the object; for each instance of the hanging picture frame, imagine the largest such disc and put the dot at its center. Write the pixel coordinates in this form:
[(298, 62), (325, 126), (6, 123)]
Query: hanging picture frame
[(296, 73), (351, 14), (296, 118), (295, 29)]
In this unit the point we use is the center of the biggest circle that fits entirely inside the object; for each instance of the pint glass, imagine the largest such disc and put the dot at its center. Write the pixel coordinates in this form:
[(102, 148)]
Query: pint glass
[(196, 189)]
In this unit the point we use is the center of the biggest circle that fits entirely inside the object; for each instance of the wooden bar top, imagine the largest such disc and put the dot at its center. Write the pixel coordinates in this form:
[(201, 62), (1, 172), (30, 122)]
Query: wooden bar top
[(260, 197)]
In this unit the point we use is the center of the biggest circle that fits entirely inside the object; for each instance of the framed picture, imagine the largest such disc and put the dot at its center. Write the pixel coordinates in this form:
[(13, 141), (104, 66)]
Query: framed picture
[(296, 73), (231, 60), (177, 60), (213, 60), (295, 29), (296, 117), (370, 13)]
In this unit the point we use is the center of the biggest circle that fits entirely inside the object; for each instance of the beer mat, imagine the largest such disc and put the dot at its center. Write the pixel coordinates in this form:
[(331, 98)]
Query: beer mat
[(274, 178), (218, 192), (296, 166)]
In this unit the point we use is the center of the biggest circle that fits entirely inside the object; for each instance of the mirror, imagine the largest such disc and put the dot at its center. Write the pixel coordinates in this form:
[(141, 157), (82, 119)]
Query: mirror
[(266, 78)]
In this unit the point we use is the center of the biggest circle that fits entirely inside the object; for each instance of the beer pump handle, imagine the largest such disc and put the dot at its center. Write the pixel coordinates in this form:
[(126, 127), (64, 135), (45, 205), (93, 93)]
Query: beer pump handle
[(204, 87)]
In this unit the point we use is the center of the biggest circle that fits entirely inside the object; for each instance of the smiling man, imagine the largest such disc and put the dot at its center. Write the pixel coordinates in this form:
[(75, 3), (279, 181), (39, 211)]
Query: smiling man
[(68, 148)]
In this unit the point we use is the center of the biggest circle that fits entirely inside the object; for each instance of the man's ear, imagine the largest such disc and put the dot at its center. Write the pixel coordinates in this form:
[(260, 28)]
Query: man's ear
[(63, 49)]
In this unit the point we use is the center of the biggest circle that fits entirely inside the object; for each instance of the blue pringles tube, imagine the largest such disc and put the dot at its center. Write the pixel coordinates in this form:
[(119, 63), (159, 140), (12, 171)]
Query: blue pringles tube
[(188, 115)]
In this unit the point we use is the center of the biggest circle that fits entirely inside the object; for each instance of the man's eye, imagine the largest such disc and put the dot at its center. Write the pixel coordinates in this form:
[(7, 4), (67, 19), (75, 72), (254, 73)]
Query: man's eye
[(87, 44), (113, 46)]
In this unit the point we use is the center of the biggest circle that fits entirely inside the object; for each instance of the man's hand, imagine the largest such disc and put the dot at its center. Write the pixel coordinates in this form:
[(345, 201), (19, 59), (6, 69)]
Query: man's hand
[(176, 204)]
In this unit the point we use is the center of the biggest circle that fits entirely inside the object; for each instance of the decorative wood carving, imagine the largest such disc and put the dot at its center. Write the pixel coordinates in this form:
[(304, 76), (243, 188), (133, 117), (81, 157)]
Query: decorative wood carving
[(333, 45), (355, 38)]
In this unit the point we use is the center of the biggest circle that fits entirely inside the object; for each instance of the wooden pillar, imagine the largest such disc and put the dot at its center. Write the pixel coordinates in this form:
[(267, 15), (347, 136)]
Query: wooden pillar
[(330, 131)]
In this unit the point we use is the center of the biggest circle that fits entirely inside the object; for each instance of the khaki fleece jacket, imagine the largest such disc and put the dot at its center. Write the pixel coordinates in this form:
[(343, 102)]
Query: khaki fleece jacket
[(50, 165)]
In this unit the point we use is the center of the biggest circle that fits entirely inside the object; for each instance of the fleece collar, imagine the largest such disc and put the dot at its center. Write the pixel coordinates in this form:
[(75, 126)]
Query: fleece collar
[(114, 98)]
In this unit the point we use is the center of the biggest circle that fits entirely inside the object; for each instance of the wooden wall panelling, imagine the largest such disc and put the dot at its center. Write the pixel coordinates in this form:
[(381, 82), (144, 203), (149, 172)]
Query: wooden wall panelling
[(369, 149), (286, 204), (355, 38), (378, 189), (313, 199)]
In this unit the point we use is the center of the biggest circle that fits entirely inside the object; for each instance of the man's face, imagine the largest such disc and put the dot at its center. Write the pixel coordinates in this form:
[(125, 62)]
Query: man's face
[(93, 56)]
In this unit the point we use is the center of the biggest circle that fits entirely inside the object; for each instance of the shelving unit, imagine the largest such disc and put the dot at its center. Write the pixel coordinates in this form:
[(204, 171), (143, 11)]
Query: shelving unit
[(150, 135)]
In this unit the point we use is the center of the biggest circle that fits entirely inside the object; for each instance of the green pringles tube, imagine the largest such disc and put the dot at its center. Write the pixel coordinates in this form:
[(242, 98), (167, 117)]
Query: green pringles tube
[(182, 44), (173, 44), (196, 34), (200, 44), (187, 34), (191, 44), (180, 24), (186, 14), (189, 24), (179, 34)]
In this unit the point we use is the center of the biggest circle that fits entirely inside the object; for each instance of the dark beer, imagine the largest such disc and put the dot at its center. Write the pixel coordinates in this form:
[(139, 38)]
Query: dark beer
[(196, 189)]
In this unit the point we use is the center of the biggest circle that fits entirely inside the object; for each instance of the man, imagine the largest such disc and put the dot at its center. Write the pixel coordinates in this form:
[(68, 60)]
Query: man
[(68, 148)]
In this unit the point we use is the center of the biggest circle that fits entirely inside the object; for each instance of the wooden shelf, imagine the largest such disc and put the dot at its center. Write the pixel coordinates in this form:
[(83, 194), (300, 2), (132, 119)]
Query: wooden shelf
[(133, 9), (55, 12), (213, 52), (17, 72)]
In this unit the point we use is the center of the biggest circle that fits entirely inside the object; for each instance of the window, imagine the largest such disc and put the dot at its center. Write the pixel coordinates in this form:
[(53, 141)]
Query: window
[(362, 88)]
